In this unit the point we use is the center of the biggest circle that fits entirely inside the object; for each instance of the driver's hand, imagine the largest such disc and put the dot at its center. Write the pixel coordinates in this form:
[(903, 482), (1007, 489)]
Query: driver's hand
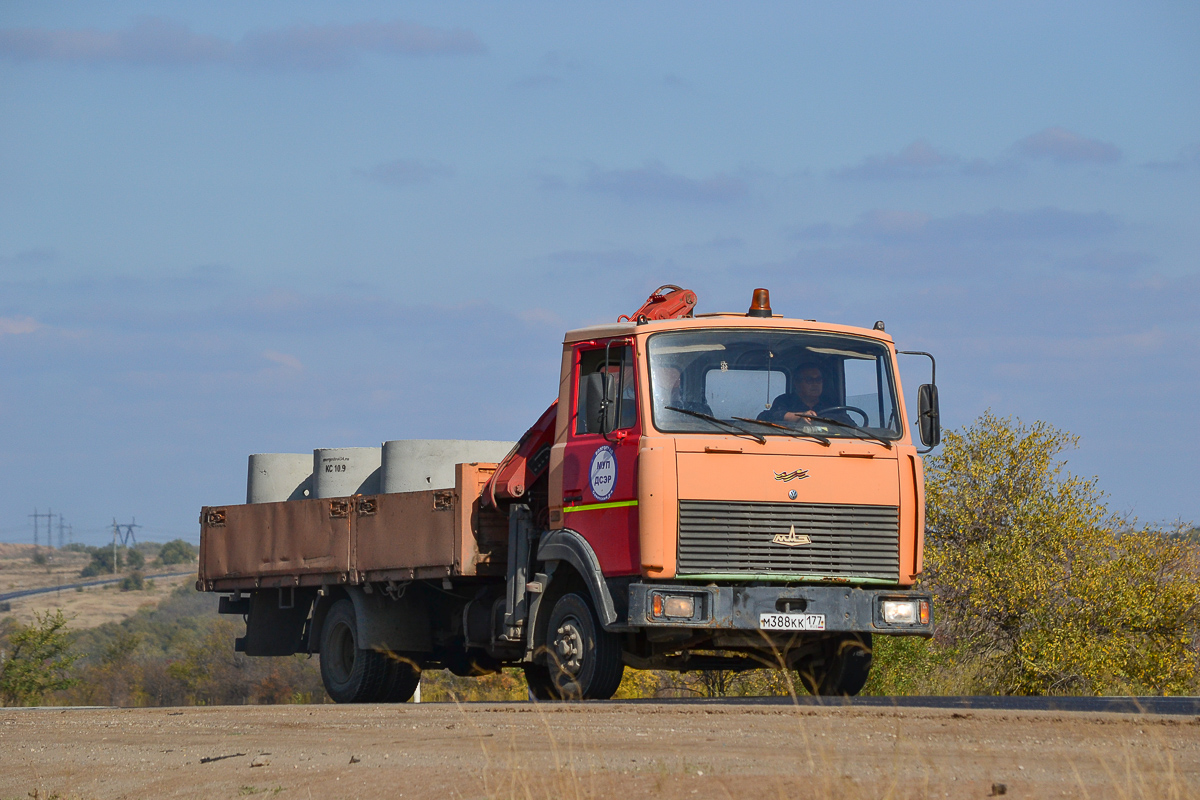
[(796, 416)]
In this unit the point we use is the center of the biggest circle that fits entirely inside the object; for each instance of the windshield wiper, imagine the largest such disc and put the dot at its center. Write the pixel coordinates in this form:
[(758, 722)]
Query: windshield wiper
[(795, 434), (866, 434), (722, 422)]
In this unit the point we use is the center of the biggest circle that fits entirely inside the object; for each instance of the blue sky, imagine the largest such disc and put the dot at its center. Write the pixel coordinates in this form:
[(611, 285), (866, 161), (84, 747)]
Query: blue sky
[(228, 229)]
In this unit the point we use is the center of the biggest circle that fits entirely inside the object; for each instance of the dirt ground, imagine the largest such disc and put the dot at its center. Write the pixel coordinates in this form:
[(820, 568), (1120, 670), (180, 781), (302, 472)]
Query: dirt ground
[(626, 750)]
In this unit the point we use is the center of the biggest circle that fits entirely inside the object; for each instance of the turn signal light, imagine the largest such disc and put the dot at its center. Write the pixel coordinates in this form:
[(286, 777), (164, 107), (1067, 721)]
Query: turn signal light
[(924, 612)]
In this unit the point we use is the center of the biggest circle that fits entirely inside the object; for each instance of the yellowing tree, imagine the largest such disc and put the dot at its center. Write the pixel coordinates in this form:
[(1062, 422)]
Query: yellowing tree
[(38, 660), (1038, 588)]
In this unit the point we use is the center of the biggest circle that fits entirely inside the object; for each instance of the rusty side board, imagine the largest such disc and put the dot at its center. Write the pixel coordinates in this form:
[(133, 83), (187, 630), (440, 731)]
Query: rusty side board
[(480, 534), (297, 537), (398, 536), (404, 531)]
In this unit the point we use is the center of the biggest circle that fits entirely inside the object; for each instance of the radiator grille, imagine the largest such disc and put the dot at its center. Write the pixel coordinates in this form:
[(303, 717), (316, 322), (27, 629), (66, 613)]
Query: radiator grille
[(734, 538)]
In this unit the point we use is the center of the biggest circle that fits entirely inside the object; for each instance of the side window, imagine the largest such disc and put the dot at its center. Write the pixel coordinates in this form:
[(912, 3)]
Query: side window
[(599, 378)]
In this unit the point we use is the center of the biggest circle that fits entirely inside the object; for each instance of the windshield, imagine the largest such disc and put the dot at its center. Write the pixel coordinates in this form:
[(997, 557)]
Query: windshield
[(810, 383)]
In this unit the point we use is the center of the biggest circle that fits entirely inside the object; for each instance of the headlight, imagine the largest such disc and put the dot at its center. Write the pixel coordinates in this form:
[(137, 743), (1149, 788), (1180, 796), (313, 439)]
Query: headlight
[(900, 612), (673, 606)]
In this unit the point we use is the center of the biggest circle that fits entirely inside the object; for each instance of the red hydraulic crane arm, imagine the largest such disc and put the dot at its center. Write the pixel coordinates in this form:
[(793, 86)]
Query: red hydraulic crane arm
[(527, 462), (530, 459), (676, 303)]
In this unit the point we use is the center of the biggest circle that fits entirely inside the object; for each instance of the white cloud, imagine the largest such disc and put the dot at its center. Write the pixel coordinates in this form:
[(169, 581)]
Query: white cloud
[(154, 41), (918, 160), (1067, 147), (993, 225), (654, 181), (15, 326), (283, 359), (407, 172)]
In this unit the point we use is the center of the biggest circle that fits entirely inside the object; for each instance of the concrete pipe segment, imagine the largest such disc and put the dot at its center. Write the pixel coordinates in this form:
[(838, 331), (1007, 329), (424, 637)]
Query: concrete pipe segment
[(275, 477), (343, 471), (414, 465)]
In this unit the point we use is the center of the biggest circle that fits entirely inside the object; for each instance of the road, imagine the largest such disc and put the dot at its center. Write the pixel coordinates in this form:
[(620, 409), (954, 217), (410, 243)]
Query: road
[(84, 584), (628, 750)]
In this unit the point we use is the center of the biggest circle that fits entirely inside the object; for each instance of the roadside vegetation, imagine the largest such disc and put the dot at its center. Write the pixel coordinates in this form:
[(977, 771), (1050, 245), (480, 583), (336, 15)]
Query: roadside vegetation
[(1039, 589)]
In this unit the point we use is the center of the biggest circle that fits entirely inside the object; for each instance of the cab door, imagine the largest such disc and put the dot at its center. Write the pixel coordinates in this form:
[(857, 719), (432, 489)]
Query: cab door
[(600, 460)]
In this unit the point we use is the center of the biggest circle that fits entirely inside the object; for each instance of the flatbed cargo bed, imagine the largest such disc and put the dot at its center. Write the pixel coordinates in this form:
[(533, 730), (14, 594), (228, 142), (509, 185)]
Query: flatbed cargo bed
[(353, 540)]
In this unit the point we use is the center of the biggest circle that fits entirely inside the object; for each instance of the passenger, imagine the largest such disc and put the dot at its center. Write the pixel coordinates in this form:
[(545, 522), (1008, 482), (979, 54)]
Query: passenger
[(805, 401), (668, 391)]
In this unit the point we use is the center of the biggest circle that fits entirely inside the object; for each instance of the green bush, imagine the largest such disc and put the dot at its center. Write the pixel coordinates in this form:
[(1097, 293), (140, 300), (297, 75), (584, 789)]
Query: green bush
[(102, 562), (134, 582), (177, 551), (38, 661), (1038, 588)]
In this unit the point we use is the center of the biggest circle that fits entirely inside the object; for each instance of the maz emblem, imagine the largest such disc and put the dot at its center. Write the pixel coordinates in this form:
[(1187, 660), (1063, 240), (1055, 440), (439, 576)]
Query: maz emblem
[(794, 475), (791, 538)]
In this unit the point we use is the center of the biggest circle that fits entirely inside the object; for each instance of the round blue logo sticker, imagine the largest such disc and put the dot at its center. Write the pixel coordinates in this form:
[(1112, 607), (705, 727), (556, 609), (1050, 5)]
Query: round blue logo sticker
[(603, 474)]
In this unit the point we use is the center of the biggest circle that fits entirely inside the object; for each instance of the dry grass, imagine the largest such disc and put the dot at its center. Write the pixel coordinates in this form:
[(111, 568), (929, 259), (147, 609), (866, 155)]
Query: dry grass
[(847, 755), (18, 571), (86, 609)]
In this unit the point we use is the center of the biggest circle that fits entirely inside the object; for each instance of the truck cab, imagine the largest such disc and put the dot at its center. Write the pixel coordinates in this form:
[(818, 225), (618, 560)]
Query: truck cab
[(745, 493)]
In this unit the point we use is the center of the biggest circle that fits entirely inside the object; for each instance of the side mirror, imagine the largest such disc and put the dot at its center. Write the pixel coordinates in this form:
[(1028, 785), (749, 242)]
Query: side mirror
[(929, 420), (601, 400)]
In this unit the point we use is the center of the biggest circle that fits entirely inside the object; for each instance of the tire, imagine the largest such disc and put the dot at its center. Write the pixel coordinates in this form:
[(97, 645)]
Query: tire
[(402, 681), (584, 660), (540, 685), (350, 674), (842, 670)]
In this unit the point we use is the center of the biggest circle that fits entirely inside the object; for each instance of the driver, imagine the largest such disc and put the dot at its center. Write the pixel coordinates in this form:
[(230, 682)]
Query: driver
[(804, 401)]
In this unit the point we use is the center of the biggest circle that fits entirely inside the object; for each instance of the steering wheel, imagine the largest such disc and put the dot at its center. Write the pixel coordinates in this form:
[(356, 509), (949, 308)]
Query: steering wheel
[(824, 412)]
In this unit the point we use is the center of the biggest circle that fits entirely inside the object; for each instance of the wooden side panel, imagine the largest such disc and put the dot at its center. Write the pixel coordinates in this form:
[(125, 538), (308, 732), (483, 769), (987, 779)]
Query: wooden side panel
[(404, 531), (351, 539), (296, 538)]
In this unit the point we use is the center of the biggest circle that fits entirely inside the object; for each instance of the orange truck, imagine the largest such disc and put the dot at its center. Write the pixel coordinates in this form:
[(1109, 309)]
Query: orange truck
[(708, 491)]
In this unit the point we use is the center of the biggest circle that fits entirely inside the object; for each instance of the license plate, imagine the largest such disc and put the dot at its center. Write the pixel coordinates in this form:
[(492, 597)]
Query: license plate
[(791, 622)]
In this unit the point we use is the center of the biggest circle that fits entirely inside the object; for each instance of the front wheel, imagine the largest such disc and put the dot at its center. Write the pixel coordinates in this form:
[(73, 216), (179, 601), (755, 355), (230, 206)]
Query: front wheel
[(583, 659), (541, 687), (841, 669)]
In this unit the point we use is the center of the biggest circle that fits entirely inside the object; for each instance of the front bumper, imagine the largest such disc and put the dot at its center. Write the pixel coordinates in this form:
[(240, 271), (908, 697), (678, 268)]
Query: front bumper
[(844, 609)]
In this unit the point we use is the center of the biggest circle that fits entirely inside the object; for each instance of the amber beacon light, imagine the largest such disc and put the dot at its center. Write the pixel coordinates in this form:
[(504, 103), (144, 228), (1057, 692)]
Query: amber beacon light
[(760, 304)]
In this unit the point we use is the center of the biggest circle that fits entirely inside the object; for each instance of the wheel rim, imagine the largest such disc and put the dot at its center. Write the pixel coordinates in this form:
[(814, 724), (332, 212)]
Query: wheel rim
[(568, 646)]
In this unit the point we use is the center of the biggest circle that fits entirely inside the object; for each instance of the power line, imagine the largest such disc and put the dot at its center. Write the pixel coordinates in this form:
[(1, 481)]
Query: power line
[(125, 534), (49, 515)]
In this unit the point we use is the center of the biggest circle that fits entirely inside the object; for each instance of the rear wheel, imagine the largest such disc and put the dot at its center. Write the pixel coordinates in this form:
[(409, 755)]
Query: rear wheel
[(350, 674), (584, 660), (841, 669)]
